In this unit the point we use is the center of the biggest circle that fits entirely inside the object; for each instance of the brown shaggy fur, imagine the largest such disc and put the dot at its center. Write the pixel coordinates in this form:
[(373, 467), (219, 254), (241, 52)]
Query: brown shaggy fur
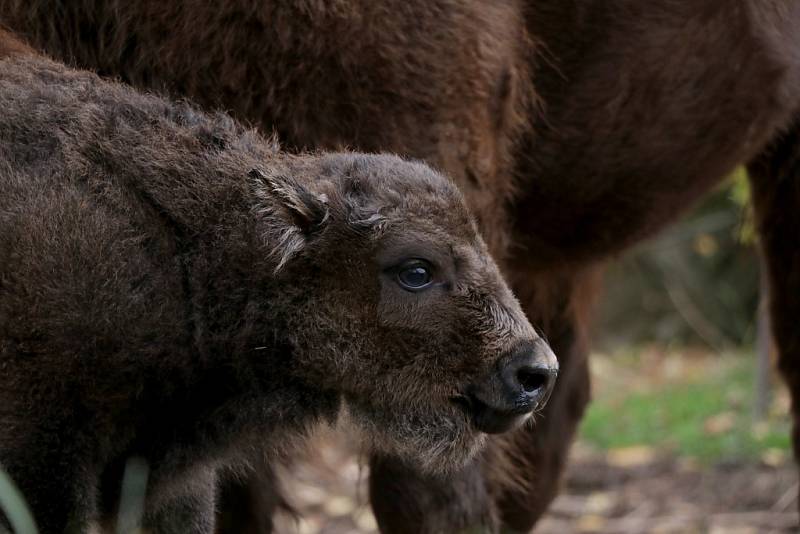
[(173, 287), (574, 129)]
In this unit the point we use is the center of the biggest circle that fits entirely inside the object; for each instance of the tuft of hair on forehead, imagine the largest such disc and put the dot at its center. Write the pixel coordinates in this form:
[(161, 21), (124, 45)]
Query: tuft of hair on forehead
[(377, 188), (367, 193)]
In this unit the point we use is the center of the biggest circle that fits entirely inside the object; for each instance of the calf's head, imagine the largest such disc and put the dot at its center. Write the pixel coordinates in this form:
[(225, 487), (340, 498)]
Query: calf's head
[(393, 301)]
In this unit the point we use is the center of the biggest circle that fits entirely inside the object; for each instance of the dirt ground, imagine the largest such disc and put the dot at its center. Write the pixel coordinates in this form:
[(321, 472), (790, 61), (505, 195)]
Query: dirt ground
[(634, 493), (668, 495)]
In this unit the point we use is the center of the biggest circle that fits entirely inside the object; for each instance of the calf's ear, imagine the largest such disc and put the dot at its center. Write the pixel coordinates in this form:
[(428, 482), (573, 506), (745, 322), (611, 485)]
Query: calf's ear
[(290, 213), (306, 210)]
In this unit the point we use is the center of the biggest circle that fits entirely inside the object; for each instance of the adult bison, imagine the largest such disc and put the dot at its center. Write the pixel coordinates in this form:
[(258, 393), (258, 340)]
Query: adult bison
[(574, 129)]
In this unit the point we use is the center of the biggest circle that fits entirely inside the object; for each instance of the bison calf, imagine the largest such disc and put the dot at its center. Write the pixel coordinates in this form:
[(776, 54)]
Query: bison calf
[(175, 288)]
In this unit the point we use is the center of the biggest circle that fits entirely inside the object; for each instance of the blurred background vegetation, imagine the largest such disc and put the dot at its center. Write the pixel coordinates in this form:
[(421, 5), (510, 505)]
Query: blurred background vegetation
[(676, 368), (697, 284)]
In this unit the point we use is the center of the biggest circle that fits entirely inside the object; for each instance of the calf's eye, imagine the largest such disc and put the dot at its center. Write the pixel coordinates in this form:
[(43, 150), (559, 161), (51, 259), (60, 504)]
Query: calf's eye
[(415, 275)]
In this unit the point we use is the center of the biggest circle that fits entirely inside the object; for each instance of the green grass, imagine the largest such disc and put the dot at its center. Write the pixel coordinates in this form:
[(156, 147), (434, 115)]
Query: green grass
[(13, 506), (674, 416), (134, 482)]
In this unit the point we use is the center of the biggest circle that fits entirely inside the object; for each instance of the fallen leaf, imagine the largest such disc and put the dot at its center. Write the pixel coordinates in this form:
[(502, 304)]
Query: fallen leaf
[(591, 523), (307, 526), (365, 521), (635, 456), (337, 506), (720, 423), (600, 502), (773, 457)]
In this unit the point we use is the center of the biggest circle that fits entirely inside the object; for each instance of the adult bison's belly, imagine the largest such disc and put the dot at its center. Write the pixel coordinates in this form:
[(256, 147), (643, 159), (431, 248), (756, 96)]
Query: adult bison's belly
[(648, 109)]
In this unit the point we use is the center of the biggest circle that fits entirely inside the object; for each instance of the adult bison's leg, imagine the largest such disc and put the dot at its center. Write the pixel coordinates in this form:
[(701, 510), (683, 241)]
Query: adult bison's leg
[(775, 179), (525, 468), (247, 505), (191, 512)]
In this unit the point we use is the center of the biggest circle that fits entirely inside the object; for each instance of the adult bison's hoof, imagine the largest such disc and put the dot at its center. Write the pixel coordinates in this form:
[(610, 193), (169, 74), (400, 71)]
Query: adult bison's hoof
[(521, 384)]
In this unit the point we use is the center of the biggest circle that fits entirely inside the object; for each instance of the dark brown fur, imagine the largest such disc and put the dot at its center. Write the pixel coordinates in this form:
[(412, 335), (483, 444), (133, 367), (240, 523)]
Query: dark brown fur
[(174, 287), (574, 129)]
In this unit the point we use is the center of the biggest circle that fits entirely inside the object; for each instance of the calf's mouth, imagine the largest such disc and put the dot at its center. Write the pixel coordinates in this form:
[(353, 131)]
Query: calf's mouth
[(488, 419), (520, 384)]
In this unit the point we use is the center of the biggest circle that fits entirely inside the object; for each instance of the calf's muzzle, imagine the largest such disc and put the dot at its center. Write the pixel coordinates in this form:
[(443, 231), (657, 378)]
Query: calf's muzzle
[(520, 383)]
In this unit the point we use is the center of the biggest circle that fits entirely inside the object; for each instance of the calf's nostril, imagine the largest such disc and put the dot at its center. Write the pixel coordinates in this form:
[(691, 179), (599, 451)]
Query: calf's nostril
[(531, 379)]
